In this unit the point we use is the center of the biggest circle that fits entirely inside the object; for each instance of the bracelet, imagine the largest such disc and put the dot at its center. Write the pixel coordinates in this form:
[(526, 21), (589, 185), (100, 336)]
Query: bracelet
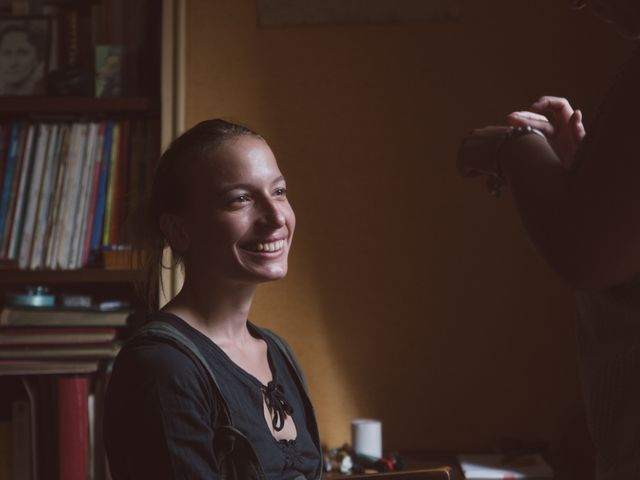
[(497, 181)]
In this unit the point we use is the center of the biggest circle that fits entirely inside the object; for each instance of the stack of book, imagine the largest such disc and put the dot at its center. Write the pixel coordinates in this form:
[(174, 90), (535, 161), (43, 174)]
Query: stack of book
[(67, 189), (50, 336), (62, 358)]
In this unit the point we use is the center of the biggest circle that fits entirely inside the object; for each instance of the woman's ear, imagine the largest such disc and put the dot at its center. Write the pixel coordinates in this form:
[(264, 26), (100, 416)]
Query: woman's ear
[(174, 229)]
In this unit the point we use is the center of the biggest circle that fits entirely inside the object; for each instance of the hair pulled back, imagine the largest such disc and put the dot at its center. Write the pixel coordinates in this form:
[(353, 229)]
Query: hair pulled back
[(170, 191)]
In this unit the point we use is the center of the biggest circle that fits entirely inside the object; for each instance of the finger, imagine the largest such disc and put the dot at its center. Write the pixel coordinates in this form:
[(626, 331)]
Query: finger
[(558, 106), (530, 116), (539, 122), (577, 127)]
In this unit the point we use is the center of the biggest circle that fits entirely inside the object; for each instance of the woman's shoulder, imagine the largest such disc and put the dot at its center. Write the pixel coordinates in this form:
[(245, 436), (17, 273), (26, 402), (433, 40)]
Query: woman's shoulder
[(154, 357)]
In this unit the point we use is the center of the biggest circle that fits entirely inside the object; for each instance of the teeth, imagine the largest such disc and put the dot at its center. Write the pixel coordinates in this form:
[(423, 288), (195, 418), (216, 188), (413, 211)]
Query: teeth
[(268, 247)]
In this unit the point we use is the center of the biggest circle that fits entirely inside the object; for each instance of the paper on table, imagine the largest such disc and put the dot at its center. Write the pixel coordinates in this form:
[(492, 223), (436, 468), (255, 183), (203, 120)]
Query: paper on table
[(490, 466)]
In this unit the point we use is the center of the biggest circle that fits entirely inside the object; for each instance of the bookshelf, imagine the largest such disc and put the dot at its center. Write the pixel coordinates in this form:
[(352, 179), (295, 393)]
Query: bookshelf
[(50, 410), (16, 276), (41, 105)]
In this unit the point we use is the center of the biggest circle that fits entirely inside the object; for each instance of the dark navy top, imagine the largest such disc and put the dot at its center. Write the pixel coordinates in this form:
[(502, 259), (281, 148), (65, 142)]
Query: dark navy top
[(159, 410)]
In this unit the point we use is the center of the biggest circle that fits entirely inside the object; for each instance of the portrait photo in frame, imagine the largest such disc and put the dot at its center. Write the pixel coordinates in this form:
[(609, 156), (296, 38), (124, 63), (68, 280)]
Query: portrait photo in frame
[(24, 54)]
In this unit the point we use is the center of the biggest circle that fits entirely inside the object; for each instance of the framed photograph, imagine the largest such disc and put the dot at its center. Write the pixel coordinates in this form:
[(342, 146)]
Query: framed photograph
[(24, 54), (109, 70)]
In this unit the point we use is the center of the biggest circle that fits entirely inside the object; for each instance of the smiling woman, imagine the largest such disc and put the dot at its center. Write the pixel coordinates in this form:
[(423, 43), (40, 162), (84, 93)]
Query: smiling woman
[(216, 397)]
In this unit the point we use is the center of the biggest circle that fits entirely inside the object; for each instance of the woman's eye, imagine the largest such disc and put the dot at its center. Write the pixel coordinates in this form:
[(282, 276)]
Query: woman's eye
[(281, 192), (241, 199)]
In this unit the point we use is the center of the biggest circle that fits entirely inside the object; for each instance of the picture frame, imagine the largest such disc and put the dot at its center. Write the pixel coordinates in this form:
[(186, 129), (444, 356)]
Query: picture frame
[(25, 49), (109, 70)]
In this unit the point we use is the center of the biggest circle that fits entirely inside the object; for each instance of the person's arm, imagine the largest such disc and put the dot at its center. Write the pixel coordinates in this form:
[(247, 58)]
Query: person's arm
[(584, 221), (159, 418)]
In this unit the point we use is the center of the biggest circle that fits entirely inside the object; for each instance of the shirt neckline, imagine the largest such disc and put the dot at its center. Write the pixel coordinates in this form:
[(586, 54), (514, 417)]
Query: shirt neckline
[(253, 331)]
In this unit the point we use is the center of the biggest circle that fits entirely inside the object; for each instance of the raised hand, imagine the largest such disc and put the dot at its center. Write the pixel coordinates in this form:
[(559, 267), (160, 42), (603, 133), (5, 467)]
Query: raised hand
[(561, 124)]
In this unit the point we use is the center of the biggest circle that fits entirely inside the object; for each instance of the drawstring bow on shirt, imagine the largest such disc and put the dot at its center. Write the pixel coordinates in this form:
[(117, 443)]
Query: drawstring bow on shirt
[(277, 404)]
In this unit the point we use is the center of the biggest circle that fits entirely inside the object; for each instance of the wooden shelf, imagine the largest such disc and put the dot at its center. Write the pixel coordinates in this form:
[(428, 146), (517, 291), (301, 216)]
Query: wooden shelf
[(51, 105), (47, 277)]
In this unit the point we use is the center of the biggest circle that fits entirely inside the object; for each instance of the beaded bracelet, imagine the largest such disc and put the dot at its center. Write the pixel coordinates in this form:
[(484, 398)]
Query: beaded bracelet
[(497, 181)]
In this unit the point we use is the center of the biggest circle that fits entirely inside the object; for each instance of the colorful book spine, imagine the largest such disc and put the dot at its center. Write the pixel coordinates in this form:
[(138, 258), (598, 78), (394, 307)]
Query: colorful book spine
[(105, 168), (116, 235), (67, 189), (95, 181), (108, 216), (16, 220), (10, 174)]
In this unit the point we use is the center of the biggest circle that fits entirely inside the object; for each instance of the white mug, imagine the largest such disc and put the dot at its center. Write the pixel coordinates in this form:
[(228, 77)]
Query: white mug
[(366, 437)]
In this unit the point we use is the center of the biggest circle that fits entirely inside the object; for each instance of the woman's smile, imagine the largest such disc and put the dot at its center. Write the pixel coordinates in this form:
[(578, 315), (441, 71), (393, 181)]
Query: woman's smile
[(273, 246)]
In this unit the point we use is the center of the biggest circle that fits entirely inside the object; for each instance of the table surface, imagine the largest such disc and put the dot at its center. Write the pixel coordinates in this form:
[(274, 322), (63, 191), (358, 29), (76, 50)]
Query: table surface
[(420, 460)]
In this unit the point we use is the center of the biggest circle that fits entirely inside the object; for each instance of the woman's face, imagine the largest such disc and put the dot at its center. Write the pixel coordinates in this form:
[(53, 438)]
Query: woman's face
[(625, 14), (18, 57), (241, 223)]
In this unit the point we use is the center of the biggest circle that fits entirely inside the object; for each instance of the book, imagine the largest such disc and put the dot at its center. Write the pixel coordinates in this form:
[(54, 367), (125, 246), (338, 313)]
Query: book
[(121, 187), (86, 183), (4, 150), (46, 408), (24, 163), (46, 367), (53, 219), (11, 173), (46, 196), (33, 194), (23, 317), (4, 139), (491, 467), (72, 186), (73, 427), (6, 449), (14, 227), (100, 464), (55, 336), (91, 407), (70, 352), (94, 194), (105, 168), (22, 447), (113, 168)]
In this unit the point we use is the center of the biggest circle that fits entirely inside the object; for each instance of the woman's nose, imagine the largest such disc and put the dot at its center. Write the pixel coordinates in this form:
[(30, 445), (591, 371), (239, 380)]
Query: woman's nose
[(272, 215)]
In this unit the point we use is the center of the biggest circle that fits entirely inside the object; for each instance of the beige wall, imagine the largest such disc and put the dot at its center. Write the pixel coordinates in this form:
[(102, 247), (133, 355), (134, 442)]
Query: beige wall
[(412, 296)]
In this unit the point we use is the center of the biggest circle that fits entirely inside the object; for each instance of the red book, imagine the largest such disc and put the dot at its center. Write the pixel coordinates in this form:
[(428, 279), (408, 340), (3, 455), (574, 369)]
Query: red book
[(73, 427)]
